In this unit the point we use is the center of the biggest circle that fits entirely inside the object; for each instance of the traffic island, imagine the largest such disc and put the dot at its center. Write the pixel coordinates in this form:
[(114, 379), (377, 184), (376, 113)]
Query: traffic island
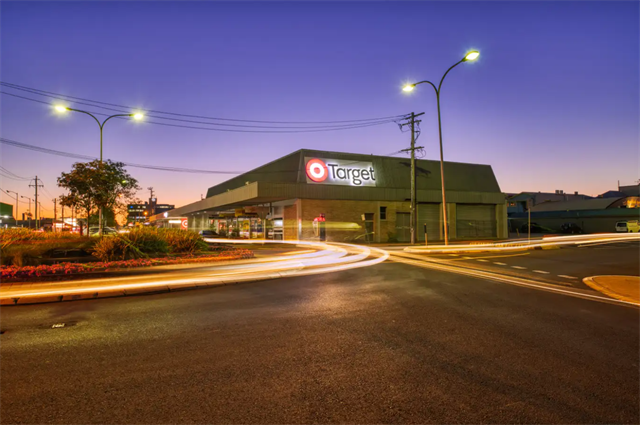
[(625, 288)]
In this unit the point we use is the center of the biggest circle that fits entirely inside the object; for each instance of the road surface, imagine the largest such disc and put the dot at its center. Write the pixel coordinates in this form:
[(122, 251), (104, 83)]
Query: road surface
[(391, 343)]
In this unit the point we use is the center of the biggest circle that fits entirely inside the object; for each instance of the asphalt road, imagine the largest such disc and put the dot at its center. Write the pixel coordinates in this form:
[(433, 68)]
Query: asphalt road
[(566, 266), (390, 343)]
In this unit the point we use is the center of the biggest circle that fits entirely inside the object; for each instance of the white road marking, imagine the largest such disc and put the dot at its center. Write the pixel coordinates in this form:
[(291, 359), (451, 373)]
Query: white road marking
[(540, 271), (468, 258), (566, 277), (454, 255), (500, 264), (484, 261), (518, 267), (512, 280)]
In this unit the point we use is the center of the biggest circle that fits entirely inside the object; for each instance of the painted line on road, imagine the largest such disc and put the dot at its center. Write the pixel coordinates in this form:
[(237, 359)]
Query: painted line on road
[(480, 259), (518, 267), (567, 277), (454, 255), (540, 271), (419, 262), (500, 264)]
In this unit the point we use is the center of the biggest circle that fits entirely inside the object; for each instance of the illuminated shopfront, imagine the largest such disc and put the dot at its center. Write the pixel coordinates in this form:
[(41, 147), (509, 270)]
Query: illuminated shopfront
[(361, 198)]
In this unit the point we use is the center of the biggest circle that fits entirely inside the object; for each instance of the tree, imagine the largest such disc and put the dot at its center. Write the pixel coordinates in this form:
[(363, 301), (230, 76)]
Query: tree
[(92, 185)]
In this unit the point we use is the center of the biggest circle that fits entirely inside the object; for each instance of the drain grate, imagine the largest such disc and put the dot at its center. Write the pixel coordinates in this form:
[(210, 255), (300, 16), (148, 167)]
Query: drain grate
[(57, 325)]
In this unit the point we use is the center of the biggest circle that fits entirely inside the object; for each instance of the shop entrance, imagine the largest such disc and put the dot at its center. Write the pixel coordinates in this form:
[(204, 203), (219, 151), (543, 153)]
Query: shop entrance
[(403, 227)]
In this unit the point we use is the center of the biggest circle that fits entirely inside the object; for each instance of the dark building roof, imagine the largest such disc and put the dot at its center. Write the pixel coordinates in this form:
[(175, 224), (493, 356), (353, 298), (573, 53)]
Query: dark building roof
[(587, 204), (391, 172)]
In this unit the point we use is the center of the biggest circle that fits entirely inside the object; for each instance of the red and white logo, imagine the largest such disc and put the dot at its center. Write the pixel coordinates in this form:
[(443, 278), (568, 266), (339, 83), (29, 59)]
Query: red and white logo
[(317, 170), (184, 223)]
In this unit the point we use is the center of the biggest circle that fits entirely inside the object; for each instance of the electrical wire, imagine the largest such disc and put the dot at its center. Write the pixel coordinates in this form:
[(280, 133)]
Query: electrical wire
[(91, 158), (301, 130), (98, 104), (6, 171)]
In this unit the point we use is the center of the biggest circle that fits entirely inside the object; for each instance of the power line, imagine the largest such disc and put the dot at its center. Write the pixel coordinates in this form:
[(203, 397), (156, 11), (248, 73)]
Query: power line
[(301, 130), (129, 108), (305, 127), (91, 158), (6, 171)]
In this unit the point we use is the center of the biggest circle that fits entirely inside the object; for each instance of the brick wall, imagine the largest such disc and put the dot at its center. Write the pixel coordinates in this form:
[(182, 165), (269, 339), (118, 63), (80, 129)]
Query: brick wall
[(344, 219)]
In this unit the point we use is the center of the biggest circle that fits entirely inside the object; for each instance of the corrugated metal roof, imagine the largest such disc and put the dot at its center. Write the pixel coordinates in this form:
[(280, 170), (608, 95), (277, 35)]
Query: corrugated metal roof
[(587, 204), (391, 172)]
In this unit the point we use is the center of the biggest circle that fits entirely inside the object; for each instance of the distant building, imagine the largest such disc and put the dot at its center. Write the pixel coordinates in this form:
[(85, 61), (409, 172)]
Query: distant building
[(138, 213), (521, 202), (6, 215), (590, 215)]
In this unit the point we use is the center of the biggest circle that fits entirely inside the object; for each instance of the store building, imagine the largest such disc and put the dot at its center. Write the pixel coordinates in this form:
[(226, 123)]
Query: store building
[(346, 197)]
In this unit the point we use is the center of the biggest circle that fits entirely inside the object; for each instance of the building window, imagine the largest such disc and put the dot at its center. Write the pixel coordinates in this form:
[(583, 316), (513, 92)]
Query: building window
[(383, 213)]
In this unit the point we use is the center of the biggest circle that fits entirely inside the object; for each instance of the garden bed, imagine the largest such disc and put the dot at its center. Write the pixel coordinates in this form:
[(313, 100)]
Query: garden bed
[(63, 271)]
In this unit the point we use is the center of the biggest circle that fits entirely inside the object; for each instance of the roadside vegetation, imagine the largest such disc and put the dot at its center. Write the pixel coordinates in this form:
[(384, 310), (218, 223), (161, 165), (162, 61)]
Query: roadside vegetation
[(24, 253)]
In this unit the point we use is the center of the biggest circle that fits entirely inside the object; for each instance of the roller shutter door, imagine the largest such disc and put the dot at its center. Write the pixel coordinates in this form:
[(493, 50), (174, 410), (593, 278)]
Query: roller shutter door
[(429, 214), (403, 227), (475, 221)]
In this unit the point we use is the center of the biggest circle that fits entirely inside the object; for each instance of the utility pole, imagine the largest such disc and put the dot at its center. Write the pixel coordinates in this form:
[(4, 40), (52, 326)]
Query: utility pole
[(55, 214), (412, 149), (36, 200), (29, 213), (62, 217)]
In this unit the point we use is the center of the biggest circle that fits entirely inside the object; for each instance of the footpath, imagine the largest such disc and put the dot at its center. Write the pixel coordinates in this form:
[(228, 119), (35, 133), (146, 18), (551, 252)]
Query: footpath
[(625, 288)]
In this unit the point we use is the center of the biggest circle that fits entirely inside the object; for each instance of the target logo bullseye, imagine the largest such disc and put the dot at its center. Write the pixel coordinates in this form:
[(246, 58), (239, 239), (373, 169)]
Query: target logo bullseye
[(317, 170)]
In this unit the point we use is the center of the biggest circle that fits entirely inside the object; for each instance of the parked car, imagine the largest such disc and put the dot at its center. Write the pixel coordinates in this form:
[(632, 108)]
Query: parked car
[(570, 228), (535, 228), (628, 226), (208, 234), (94, 231)]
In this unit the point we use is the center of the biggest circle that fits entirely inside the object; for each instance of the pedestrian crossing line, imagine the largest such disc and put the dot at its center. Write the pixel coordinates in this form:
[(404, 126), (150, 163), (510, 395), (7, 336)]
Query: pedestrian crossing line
[(567, 277), (500, 264), (540, 271), (518, 267)]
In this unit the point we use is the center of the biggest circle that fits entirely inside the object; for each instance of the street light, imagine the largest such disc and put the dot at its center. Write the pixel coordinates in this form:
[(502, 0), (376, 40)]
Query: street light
[(11, 191), (136, 116), (29, 214), (470, 56)]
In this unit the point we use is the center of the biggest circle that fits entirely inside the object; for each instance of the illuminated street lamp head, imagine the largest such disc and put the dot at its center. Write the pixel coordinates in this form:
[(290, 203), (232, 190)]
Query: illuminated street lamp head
[(409, 87), (61, 108), (471, 56), (137, 116)]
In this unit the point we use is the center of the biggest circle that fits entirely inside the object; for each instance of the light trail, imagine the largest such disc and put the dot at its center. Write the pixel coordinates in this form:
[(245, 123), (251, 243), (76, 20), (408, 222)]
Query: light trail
[(521, 245), (419, 261), (317, 259)]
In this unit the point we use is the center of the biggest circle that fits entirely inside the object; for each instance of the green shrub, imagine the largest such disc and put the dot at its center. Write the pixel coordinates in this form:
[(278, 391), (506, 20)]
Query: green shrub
[(147, 240), (183, 241), (116, 248), (22, 247)]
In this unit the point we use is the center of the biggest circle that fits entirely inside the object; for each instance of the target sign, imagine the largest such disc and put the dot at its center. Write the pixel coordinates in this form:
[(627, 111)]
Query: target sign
[(317, 170), (184, 223)]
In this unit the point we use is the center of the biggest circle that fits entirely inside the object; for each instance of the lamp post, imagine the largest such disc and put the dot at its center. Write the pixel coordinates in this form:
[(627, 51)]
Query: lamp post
[(470, 56), (29, 214), (11, 191), (137, 116)]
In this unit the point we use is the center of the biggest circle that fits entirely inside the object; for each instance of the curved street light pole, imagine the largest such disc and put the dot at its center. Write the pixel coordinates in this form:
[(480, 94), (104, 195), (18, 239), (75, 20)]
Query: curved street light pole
[(137, 116), (409, 87), (29, 215)]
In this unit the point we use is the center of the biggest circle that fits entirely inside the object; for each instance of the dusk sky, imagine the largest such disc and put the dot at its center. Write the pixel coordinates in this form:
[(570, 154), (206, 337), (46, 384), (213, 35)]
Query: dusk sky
[(552, 103)]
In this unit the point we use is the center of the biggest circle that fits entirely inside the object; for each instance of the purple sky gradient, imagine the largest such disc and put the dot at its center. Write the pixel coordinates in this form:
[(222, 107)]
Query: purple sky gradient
[(552, 103)]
